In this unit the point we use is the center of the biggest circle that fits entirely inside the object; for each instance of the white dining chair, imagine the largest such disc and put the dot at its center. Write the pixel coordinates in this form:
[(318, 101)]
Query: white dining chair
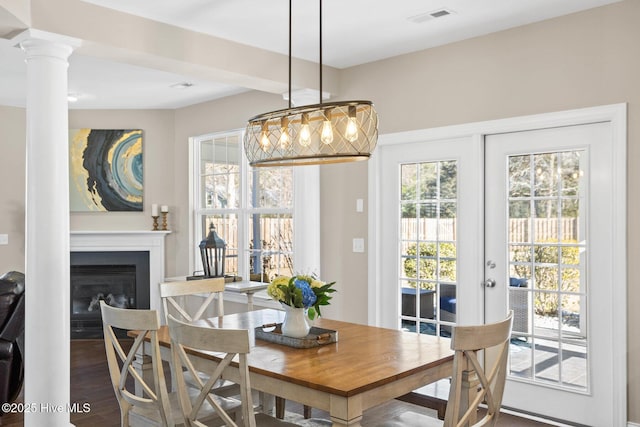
[(191, 300), (233, 345), (468, 342), (144, 401)]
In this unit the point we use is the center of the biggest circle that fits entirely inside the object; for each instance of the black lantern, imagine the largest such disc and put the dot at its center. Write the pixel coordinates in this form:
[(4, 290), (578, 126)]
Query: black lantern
[(213, 251)]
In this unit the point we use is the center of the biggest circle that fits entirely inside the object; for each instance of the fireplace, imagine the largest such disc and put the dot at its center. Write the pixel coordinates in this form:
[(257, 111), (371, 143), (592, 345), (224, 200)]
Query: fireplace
[(121, 279)]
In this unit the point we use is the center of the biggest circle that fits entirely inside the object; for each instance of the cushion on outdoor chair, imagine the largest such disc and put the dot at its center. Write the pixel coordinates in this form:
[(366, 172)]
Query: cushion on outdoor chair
[(518, 283)]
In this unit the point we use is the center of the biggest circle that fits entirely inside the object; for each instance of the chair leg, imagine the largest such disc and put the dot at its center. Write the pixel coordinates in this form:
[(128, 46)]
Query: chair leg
[(307, 412)]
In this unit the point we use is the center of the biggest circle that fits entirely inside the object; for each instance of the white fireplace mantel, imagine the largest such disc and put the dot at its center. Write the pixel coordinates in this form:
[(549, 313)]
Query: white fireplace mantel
[(118, 241)]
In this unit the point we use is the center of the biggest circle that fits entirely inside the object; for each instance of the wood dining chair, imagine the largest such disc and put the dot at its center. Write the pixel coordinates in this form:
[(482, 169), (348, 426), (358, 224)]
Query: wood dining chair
[(144, 400), (468, 342), (232, 344), (190, 300)]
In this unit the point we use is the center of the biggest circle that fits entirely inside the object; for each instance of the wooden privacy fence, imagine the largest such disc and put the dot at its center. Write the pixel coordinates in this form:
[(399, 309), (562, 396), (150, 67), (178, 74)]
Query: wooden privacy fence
[(520, 229), (275, 236)]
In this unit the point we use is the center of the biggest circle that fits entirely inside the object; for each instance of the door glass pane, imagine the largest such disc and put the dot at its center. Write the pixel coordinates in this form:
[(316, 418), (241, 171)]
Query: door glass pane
[(546, 268), (428, 257)]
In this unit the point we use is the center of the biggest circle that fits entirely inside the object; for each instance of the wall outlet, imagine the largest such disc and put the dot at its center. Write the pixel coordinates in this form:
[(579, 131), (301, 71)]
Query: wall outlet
[(4, 239)]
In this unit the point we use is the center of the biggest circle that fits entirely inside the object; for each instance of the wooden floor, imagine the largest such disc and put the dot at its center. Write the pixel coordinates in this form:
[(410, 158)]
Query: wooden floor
[(90, 384)]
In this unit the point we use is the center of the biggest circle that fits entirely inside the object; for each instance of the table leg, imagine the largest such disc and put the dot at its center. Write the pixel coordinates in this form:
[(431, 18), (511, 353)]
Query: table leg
[(249, 301), (267, 402), (143, 366), (469, 392), (345, 411)]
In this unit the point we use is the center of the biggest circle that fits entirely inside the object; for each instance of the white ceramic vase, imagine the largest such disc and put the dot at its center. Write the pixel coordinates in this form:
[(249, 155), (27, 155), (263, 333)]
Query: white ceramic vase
[(295, 323)]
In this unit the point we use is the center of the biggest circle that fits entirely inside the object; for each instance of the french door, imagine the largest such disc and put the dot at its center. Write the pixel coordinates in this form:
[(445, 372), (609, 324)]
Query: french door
[(548, 205), (471, 226)]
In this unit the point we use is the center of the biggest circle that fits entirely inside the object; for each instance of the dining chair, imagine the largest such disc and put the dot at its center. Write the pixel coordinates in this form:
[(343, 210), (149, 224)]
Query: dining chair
[(190, 309), (231, 344), (468, 342), (175, 301), (143, 398)]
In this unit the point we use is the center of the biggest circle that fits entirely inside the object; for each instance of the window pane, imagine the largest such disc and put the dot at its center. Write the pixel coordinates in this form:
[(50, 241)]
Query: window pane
[(519, 176), (271, 188), (428, 180), (546, 174), (448, 180), (219, 168), (409, 178), (570, 173), (271, 244)]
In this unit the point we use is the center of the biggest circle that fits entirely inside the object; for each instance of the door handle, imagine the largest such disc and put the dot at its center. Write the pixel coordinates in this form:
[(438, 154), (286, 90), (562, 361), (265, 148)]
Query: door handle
[(489, 283)]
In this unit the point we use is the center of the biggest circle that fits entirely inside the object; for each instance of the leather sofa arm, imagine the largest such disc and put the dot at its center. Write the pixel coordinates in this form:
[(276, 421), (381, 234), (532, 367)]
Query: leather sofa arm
[(15, 325)]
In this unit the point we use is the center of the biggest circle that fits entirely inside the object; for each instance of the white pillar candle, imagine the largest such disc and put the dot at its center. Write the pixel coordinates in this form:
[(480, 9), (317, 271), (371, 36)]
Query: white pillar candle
[(154, 210), (164, 208)]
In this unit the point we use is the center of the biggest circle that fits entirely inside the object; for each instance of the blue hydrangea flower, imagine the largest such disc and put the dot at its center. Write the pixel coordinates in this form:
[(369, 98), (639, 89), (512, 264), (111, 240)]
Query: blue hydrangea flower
[(308, 296)]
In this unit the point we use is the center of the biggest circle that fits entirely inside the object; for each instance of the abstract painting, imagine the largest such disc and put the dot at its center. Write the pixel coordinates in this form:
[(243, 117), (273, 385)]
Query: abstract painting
[(105, 170)]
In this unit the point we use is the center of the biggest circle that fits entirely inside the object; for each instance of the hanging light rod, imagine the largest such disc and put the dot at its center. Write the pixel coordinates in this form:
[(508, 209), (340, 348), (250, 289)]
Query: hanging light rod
[(333, 132)]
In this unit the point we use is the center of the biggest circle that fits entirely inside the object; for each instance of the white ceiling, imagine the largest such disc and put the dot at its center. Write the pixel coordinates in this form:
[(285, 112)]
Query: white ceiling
[(354, 32)]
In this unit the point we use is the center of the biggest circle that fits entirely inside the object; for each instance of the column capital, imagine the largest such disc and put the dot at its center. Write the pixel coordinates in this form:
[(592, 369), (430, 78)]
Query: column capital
[(36, 42)]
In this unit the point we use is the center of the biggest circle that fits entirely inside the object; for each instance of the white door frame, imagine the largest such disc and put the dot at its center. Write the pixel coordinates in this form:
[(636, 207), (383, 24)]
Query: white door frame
[(617, 115)]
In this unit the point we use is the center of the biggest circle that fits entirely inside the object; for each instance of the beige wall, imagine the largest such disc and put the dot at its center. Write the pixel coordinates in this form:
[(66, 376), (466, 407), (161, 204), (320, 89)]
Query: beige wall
[(580, 60)]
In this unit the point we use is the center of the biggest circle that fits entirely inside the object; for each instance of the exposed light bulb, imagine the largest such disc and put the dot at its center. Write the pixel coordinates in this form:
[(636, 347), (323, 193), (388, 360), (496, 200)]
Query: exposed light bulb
[(326, 136), (264, 137), (351, 132), (284, 135), (305, 132)]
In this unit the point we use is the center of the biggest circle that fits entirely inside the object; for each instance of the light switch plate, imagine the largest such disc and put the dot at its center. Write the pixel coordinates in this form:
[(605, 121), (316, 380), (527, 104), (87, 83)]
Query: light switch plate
[(4, 239), (358, 245)]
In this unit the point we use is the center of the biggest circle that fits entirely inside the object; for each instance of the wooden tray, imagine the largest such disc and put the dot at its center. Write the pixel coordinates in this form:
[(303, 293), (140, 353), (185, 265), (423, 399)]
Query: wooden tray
[(315, 338)]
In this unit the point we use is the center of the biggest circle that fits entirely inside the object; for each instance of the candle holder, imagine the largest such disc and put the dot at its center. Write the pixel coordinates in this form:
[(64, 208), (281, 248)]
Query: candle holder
[(164, 220), (155, 222)]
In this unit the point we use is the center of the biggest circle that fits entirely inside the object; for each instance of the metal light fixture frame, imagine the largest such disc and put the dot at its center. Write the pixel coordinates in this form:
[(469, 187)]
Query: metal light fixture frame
[(333, 132)]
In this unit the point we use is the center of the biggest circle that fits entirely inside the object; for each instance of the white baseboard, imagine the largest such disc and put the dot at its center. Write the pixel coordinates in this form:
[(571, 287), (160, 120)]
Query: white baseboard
[(630, 424)]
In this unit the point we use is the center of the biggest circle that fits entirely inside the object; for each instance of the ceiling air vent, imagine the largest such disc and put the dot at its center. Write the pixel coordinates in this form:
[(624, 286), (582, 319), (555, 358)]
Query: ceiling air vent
[(423, 17)]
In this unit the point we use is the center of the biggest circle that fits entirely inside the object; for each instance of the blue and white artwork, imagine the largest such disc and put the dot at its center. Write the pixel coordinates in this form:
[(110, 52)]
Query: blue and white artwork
[(105, 170)]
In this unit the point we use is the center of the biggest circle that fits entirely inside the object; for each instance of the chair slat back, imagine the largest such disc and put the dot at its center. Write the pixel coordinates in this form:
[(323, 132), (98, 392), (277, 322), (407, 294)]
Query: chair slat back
[(232, 343), (468, 342), (212, 288), (120, 362)]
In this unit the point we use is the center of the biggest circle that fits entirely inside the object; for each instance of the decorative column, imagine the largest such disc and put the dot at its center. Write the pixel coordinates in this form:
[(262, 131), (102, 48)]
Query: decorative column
[(47, 330)]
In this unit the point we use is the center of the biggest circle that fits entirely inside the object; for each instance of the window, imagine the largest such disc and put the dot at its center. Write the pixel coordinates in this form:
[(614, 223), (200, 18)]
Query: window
[(253, 210)]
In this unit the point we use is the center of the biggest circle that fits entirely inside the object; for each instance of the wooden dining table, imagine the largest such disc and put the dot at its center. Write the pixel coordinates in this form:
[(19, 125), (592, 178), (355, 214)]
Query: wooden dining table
[(367, 365)]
